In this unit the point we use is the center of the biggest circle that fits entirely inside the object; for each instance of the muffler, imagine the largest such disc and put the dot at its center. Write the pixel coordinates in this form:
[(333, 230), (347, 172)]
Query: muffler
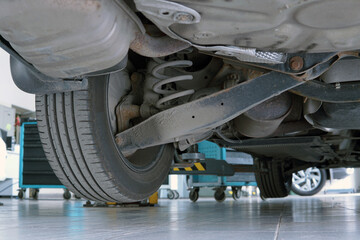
[(72, 38)]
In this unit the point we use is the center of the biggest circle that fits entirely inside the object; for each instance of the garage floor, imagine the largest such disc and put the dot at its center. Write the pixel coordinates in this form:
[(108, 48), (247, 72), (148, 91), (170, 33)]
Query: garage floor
[(329, 217)]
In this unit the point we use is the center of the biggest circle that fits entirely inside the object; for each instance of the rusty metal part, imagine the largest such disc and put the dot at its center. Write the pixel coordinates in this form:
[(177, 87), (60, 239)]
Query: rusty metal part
[(204, 114), (296, 63), (233, 76), (136, 77), (231, 80), (314, 64), (189, 141), (147, 110), (149, 46), (126, 111), (251, 73)]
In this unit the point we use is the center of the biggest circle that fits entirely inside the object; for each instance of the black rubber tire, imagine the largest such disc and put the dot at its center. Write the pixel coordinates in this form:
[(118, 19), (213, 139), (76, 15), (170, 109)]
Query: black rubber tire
[(21, 194), (323, 175), (272, 183), (219, 195), (67, 195), (194, 195), (76, 134)]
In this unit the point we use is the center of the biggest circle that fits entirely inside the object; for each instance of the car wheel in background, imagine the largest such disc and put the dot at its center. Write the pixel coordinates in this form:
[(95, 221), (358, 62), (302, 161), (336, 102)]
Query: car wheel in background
[(309, 181)]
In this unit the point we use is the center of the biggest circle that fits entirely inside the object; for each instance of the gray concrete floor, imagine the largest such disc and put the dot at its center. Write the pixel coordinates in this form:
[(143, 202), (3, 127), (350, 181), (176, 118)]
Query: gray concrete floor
[(324, 217)]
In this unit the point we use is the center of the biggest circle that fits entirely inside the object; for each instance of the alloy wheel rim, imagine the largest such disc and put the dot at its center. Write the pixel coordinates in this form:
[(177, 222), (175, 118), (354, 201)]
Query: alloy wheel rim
[(307, 180)]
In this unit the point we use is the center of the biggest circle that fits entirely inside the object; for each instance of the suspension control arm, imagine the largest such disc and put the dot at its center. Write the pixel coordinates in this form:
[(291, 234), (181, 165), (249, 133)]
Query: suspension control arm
[(204, 114), (324, 92)]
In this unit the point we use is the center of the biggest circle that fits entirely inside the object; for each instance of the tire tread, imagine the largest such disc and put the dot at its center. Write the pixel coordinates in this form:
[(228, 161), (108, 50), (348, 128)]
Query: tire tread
[(62, 135)]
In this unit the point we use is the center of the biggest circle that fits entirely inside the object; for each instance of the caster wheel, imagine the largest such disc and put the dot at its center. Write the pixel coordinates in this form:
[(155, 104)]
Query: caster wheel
[(21, 194), (170, 194), (34, 193), (67, 195), (194, 195), (236, 193), (177, 195), (76, 196), (219, 195)]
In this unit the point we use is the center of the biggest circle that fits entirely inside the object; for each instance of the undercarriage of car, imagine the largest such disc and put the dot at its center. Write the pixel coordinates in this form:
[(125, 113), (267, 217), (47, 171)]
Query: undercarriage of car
[(124, 86)]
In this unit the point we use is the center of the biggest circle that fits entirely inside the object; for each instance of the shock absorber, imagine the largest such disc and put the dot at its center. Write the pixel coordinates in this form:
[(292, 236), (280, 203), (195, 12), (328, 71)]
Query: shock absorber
[(168, 95)]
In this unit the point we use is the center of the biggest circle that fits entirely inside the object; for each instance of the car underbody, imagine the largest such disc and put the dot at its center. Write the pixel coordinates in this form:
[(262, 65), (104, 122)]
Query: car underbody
[(278, 80)]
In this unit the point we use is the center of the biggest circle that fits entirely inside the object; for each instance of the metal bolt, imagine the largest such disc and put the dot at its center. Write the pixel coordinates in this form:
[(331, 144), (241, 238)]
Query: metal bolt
[(231, 80), (119, 141), (183, 17), (233, 76), (296, 63)]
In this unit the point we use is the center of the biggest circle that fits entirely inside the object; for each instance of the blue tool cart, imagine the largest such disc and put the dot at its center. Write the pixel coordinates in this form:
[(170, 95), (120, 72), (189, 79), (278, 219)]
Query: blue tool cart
[(35, 171), (219, 182)]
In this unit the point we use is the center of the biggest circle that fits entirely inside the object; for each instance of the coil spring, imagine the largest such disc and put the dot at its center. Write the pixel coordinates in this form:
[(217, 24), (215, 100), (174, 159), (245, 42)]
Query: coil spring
[(164, 79)]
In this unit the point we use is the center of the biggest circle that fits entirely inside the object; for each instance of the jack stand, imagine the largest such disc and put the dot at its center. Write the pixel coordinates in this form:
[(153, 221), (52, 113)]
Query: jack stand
[(88, 204), (189, 160), (150, 202)]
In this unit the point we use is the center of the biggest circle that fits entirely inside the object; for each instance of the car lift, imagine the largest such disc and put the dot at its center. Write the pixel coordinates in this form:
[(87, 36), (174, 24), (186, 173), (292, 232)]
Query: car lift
[(210, 167)]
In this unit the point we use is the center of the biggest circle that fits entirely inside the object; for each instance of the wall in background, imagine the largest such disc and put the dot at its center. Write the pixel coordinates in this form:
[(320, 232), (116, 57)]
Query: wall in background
[(9, 93)]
